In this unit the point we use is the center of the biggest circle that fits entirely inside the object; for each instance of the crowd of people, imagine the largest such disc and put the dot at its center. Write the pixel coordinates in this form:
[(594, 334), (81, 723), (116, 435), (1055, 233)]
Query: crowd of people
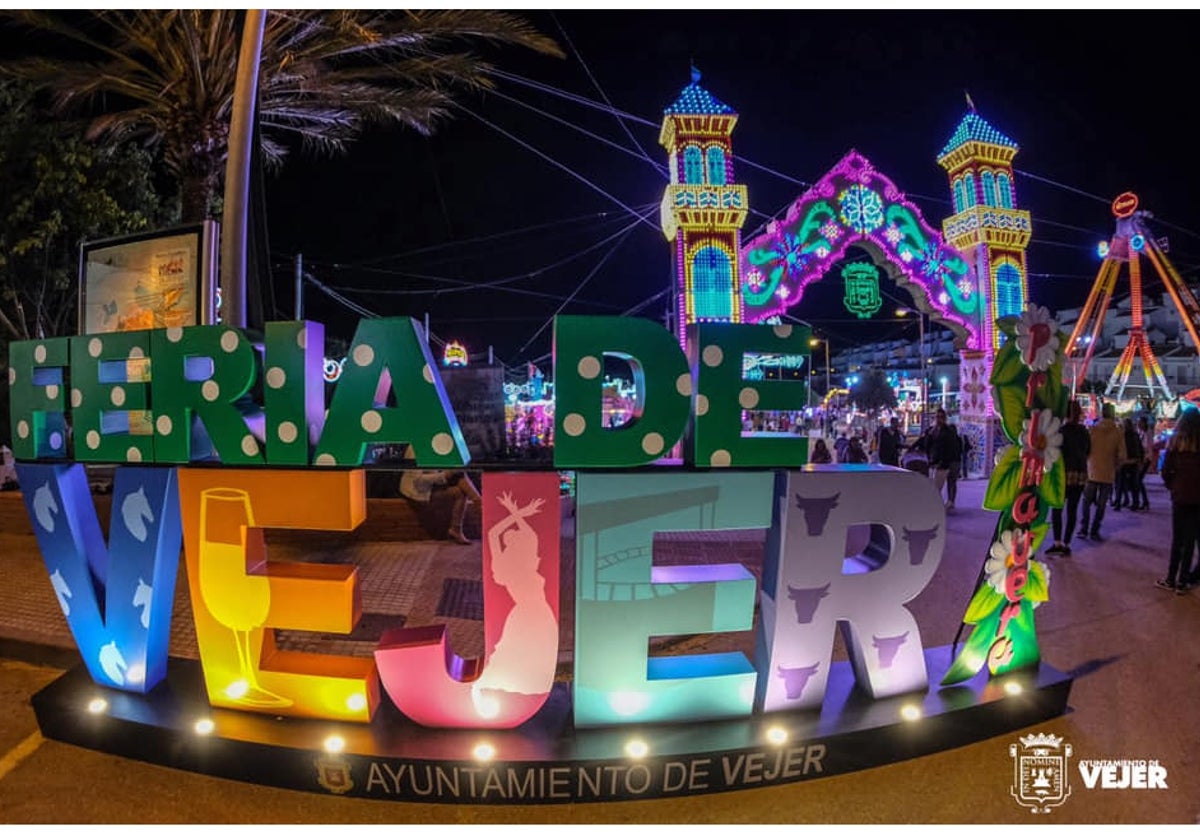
[(1106, 467), (1105, 464), (940, 451)]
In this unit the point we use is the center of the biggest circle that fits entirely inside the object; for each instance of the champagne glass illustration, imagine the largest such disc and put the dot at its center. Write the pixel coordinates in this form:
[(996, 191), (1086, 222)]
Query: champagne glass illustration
[(237, 600)]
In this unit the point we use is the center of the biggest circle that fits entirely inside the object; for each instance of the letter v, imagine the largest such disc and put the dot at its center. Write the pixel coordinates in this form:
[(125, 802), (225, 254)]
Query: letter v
[(1090, 773), (118, 597)]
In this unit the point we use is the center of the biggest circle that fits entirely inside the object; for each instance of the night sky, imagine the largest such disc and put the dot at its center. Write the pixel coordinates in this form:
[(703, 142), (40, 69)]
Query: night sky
[(1098, 102)]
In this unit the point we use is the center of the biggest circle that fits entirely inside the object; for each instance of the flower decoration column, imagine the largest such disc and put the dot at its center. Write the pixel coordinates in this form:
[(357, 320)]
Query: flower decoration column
[(1027, 481)]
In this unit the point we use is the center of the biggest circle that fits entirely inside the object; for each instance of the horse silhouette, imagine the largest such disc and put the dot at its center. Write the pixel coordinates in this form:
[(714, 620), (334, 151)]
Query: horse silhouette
[(44, 507), (113, 663), (141, 598), (136, 512)]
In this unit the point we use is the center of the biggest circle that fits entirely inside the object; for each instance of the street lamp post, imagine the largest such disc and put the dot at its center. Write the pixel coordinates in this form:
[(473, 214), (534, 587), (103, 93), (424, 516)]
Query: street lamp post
[(813, 342), (944, 381), (921, 326)]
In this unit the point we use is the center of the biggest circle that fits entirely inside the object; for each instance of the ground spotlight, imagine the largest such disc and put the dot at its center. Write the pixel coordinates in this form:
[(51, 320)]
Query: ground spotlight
[(97, 705), (484, 751), (637, 748), (204, 726), (910, 712), (335, 744)]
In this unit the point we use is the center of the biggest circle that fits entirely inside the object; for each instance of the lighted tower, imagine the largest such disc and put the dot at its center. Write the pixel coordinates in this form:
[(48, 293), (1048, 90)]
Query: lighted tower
[(702, 209), (987, 228), (992, 234)]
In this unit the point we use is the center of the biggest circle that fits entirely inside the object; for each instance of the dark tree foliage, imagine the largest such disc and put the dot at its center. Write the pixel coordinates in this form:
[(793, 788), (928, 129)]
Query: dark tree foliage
[(873, 392)]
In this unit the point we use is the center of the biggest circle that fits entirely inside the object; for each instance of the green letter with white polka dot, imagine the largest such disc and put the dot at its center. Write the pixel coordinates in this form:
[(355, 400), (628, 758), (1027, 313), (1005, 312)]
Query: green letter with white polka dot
[(389, 356), (36, 387), (723, 393), (110, 398), (663, 386), (202, 371)]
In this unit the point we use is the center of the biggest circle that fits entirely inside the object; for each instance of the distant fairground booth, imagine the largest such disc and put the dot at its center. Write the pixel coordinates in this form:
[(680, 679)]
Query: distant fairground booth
[(964, 278)]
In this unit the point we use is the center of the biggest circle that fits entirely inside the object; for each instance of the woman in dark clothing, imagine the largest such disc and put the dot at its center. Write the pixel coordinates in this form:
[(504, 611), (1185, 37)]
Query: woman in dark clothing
[(1126, 489), (1181, 474), (820, 453), (1076, 446)]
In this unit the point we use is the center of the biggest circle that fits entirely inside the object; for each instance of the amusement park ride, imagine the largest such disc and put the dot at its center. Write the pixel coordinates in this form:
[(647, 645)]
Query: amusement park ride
[(1131, 240)]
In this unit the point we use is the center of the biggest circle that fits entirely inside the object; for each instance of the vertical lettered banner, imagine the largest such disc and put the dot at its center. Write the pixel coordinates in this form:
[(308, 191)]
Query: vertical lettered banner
[(436, 687), (239, 596), (117, 598), (623, 599)]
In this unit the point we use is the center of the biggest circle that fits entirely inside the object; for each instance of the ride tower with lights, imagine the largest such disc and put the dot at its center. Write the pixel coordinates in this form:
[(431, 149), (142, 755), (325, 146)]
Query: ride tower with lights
[(703, 210), (1131, 240), (992, 234)]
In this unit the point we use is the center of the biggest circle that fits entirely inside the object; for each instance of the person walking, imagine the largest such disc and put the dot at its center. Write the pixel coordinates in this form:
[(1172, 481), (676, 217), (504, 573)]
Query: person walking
[(888, 443), (841, 445), (1076, 444), (855, 452), (1181, 474), (1107, 453), (1123, 495), (1141, 499), (945, 457)]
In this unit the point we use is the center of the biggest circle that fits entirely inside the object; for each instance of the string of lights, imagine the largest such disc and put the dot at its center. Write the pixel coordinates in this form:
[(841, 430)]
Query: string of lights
[(624, 120)]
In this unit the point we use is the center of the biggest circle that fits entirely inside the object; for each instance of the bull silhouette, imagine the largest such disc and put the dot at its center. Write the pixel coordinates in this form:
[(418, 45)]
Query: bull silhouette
[(888, 647), (794, 679), (806, 601), (816, 512), (918, 543)]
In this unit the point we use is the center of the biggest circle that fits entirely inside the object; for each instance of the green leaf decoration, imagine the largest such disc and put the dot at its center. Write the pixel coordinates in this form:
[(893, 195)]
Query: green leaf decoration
[(1052, 394), (1005, 480), (1024, 640), (1040, 528), (1053, 489), (985, 602), (1037, 587), (1007, 325), (1007, 369), (973, 655), (1010, 405)]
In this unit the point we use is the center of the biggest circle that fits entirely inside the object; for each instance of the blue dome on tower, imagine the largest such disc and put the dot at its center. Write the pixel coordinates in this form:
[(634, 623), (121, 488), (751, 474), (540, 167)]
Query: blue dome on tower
[(975, 127), (696, 100)]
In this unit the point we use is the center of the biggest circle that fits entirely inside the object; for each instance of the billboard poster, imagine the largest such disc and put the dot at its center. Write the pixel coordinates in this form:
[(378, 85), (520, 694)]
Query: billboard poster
[(148, 281)]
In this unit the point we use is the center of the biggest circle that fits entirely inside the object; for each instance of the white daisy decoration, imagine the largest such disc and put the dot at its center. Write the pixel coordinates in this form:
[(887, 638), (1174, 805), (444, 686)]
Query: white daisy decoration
[(1037, 338), (1041, 437), (1000, 559)]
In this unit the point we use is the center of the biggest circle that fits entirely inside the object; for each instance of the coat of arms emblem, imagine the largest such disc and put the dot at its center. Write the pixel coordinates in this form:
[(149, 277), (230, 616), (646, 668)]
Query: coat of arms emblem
[(333, 774), (1040, 779)]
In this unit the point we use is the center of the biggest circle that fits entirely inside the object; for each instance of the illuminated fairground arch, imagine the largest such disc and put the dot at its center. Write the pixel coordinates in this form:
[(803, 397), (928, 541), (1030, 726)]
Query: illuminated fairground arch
[(853, 204)]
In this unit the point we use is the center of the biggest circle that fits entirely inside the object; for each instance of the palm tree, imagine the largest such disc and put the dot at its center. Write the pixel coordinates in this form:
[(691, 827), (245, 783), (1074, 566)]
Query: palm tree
[(167, 76)]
